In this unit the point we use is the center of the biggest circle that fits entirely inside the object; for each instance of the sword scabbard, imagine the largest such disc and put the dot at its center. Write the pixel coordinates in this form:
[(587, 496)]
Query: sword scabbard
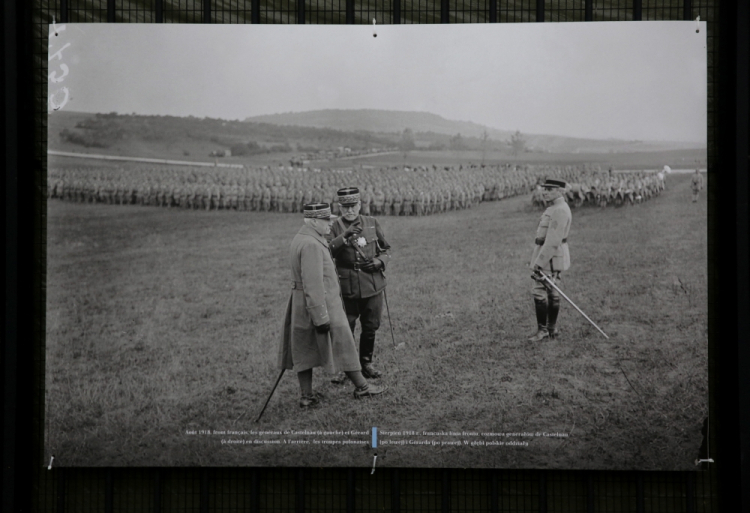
[(552, 284)]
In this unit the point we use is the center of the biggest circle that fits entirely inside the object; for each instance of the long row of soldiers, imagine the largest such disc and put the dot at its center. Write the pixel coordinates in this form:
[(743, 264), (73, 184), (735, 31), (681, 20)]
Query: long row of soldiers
[(420, 190), (603, 188)]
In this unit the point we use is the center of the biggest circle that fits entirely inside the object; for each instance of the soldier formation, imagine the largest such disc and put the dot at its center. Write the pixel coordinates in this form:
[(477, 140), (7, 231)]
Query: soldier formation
[(395, 191), (605, 188)]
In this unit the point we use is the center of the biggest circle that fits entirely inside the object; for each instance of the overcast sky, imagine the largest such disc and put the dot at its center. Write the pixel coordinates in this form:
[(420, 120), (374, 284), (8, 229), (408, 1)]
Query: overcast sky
[(624, 80)]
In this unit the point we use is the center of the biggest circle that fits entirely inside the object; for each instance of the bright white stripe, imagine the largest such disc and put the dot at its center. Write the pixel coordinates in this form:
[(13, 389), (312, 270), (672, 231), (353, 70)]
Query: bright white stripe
[(141, 159)]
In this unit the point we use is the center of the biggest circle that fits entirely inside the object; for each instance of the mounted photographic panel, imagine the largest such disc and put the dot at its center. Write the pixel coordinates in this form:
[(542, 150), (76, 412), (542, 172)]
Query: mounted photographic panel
[(180, 159)]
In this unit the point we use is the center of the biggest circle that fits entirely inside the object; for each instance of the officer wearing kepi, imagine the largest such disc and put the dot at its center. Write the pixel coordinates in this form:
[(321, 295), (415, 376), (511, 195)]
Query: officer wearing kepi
[(361, 252), (551, 257), (315, 331)]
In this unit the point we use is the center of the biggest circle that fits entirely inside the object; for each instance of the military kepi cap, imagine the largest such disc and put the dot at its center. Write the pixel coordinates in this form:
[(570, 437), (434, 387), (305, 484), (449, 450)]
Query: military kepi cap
[(317, 211), (348, 195), (554, 184)]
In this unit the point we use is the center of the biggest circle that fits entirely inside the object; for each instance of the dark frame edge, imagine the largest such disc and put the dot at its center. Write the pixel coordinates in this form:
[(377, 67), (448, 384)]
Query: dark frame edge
[(255, 11), (26, 152), (206, 16), (637, 10), (21, 452), (732, 383)]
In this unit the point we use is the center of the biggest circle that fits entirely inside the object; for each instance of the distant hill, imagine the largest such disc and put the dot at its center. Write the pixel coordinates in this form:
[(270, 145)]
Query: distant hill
[(387, 121), (426, 126), (170, 136), (282, 136)]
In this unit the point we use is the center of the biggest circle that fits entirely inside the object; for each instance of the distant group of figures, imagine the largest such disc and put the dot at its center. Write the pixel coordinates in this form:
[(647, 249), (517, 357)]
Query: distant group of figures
[(605, 188), (396, 191)]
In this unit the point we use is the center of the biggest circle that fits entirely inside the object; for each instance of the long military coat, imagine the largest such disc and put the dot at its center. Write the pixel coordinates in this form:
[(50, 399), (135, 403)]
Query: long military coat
[(315, 300), (550, 252)]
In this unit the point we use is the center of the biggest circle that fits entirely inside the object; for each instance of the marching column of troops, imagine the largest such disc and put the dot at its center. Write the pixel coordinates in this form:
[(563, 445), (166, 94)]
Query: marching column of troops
[(395, 191)]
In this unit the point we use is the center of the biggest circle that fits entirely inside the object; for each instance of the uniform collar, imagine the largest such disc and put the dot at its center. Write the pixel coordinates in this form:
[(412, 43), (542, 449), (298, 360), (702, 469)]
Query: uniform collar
[(559, 200), (306, 230)]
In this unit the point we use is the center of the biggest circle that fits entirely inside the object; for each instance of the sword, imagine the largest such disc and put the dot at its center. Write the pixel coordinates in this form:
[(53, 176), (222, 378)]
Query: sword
[(550, 282)]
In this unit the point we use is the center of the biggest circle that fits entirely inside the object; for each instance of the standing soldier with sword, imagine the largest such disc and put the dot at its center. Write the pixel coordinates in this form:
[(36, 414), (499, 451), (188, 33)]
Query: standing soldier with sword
[(550, 257), (361, 252)]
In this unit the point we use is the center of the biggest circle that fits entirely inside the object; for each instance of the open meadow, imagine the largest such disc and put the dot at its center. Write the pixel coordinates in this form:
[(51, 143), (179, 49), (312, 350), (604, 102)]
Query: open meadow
[(163, 322)]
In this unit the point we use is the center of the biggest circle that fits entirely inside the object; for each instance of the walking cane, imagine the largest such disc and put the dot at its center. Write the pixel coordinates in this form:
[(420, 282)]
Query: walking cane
[(270, 395), (547, 279), (390, 323)]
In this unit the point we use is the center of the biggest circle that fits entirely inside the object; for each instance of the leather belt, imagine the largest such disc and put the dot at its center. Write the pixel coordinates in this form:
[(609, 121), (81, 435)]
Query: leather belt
[(540, 242), (348, 265), (297, 285)]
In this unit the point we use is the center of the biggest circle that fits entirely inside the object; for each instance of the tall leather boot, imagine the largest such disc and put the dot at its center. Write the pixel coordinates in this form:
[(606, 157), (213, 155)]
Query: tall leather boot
[(552, 311), (541, 321), (366, 348)]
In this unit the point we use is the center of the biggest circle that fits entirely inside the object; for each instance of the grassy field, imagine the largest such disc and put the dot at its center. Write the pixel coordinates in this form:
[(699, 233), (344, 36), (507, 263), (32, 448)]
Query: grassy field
[(651, 161), (163, 321)]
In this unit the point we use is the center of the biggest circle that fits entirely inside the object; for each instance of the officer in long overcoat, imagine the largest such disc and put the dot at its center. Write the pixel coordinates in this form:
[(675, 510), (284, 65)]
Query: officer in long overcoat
[(551, 257), (361, 252), (316, 331)]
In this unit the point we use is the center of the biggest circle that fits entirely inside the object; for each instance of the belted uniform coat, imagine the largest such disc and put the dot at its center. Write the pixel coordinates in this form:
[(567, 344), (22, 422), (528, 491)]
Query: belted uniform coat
[(553, 254), (371, 243)]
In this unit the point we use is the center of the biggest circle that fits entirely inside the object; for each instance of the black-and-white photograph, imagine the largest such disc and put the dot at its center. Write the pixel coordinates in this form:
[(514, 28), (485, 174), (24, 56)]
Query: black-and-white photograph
[(438, 246)]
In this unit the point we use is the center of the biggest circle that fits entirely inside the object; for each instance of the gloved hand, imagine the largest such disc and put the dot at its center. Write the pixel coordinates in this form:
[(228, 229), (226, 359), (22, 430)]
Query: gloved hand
[(323, 328), (353, 229), (372, 266)]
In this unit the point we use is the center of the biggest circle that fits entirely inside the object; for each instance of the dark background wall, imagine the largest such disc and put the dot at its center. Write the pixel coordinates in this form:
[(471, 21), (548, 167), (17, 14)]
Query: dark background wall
[(28, 486)]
